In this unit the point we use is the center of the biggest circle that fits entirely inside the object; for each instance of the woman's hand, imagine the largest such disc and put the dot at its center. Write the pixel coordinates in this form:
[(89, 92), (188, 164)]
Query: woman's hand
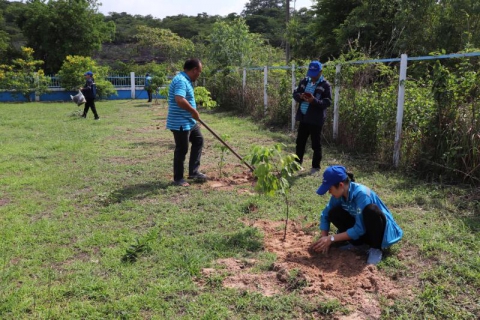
[(321, 245)]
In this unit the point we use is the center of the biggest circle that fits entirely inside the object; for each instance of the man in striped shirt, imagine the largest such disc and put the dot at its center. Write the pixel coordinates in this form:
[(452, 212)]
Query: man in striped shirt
[(181, 120)]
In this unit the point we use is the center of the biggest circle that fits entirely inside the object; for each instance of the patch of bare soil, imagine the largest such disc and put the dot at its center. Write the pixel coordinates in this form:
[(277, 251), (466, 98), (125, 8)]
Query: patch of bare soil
[(342, 275), (4, 202), (233, 177)]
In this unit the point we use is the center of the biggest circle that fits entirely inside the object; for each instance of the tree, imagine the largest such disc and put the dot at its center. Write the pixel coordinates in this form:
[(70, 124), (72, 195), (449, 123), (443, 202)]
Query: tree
[(72, 75), (189, 27), (268, 18), (391, 27), (11, 37), (23, 76), (4, 37), (273, 168), (56, 29), (231, 44), (301, 46), (174, 47), (330, 15)]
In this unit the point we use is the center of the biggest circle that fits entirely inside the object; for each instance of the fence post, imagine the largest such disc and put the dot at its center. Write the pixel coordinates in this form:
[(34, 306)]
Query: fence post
[(336, 111), (294, 103), (37, 80), (244, 85), (132, 85), (400, 104), (265, 84)]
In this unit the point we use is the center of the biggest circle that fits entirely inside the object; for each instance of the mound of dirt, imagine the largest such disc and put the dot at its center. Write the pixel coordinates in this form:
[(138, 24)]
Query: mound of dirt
[(341, 275)]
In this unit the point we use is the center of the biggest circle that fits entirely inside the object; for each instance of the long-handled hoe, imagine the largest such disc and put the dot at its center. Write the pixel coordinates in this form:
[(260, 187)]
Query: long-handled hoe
[(226, 145)]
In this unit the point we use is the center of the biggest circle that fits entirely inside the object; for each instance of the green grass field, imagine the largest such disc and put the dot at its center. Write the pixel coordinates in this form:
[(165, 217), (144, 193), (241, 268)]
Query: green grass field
[(91, 227)]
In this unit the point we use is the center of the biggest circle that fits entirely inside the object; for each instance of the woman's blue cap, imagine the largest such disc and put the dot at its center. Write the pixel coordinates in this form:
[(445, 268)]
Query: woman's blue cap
[(332, 176), (88, 73)]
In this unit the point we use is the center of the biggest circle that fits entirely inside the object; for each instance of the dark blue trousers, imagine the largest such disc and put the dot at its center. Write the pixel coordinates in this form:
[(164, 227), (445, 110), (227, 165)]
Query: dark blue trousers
[(373, 218), (182, 139), (304, 131)]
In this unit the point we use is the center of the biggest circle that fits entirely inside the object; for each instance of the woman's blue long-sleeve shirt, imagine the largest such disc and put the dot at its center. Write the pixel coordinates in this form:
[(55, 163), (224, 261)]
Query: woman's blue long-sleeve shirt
[(360, 196)]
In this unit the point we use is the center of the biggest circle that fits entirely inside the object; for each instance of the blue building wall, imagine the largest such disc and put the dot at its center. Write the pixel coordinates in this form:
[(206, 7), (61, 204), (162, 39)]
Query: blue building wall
[(6, 96), (57, 96)]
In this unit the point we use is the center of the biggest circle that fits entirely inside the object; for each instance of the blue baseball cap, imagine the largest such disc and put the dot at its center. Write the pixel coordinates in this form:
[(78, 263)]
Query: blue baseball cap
[(332, 176), (88, 73), (314, 69)]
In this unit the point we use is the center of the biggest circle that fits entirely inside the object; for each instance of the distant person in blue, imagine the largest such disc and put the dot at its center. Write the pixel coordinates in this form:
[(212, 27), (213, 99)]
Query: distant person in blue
[(358, 213), (89, 92), (182, 121), (314, 97), (148, 86)]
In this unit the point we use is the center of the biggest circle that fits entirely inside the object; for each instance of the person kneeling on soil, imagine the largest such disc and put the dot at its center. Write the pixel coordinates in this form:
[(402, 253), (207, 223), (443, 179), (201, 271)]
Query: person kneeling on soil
[(358, 213)]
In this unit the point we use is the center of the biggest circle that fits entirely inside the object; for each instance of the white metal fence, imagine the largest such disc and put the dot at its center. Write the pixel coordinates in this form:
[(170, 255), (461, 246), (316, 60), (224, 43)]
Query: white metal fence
[(337, 89)]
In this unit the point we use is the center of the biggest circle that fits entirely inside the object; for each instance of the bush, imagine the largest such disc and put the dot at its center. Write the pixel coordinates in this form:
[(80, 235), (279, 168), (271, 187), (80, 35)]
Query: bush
[(23, 76), (72, 75)]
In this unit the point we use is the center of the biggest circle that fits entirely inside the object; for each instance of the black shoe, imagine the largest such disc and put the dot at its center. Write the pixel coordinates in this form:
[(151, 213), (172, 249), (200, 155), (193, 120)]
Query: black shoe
[(98, 118), (83, 116), (201, 177)]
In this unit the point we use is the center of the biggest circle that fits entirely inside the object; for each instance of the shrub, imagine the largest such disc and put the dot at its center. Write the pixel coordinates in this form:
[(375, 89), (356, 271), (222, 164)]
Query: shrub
[(23, 76), (72, 75)]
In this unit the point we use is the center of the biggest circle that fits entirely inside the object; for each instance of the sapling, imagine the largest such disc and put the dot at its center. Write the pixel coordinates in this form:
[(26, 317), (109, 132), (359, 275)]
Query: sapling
[(224, 150), (272, 168), (140, 246)]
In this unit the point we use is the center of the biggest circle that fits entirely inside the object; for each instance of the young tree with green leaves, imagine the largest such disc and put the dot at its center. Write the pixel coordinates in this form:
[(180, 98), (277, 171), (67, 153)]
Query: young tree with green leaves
[(72, 75), (231, 44), (272, 169), (24, 76)]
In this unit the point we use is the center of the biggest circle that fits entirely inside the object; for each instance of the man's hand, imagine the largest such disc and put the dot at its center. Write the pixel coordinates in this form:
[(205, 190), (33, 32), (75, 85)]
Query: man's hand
[(321, 245), (195, 115), (307, 97)]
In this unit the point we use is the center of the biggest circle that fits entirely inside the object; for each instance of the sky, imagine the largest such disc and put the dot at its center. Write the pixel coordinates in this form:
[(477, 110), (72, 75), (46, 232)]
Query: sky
[(162, 8)]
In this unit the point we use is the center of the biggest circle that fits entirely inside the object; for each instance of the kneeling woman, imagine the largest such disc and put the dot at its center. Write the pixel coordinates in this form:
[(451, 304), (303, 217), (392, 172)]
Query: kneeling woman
[(358, 213)]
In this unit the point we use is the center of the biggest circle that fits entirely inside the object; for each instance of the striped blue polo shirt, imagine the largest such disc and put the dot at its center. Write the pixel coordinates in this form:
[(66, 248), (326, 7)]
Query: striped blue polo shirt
[(310, 88), (179, 119)]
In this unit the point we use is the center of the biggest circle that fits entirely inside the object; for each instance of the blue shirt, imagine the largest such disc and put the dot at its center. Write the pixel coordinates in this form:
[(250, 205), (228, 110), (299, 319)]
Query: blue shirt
[(310, 88), (148, 80), (179, 119), (359, 197)]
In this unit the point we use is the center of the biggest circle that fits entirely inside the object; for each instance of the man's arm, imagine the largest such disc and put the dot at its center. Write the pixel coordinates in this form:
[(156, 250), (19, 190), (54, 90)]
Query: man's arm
[(326, 99), (297, 94), (185, 105)]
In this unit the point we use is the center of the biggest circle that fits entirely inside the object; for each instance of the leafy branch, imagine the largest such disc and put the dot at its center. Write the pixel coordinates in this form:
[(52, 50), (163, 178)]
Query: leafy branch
[(272, 168)]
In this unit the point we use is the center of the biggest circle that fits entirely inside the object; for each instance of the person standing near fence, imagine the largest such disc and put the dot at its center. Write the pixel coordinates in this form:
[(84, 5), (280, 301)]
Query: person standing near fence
[(314, 97), (360, 216), (182, 121), (89, 92), (148, 86)]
